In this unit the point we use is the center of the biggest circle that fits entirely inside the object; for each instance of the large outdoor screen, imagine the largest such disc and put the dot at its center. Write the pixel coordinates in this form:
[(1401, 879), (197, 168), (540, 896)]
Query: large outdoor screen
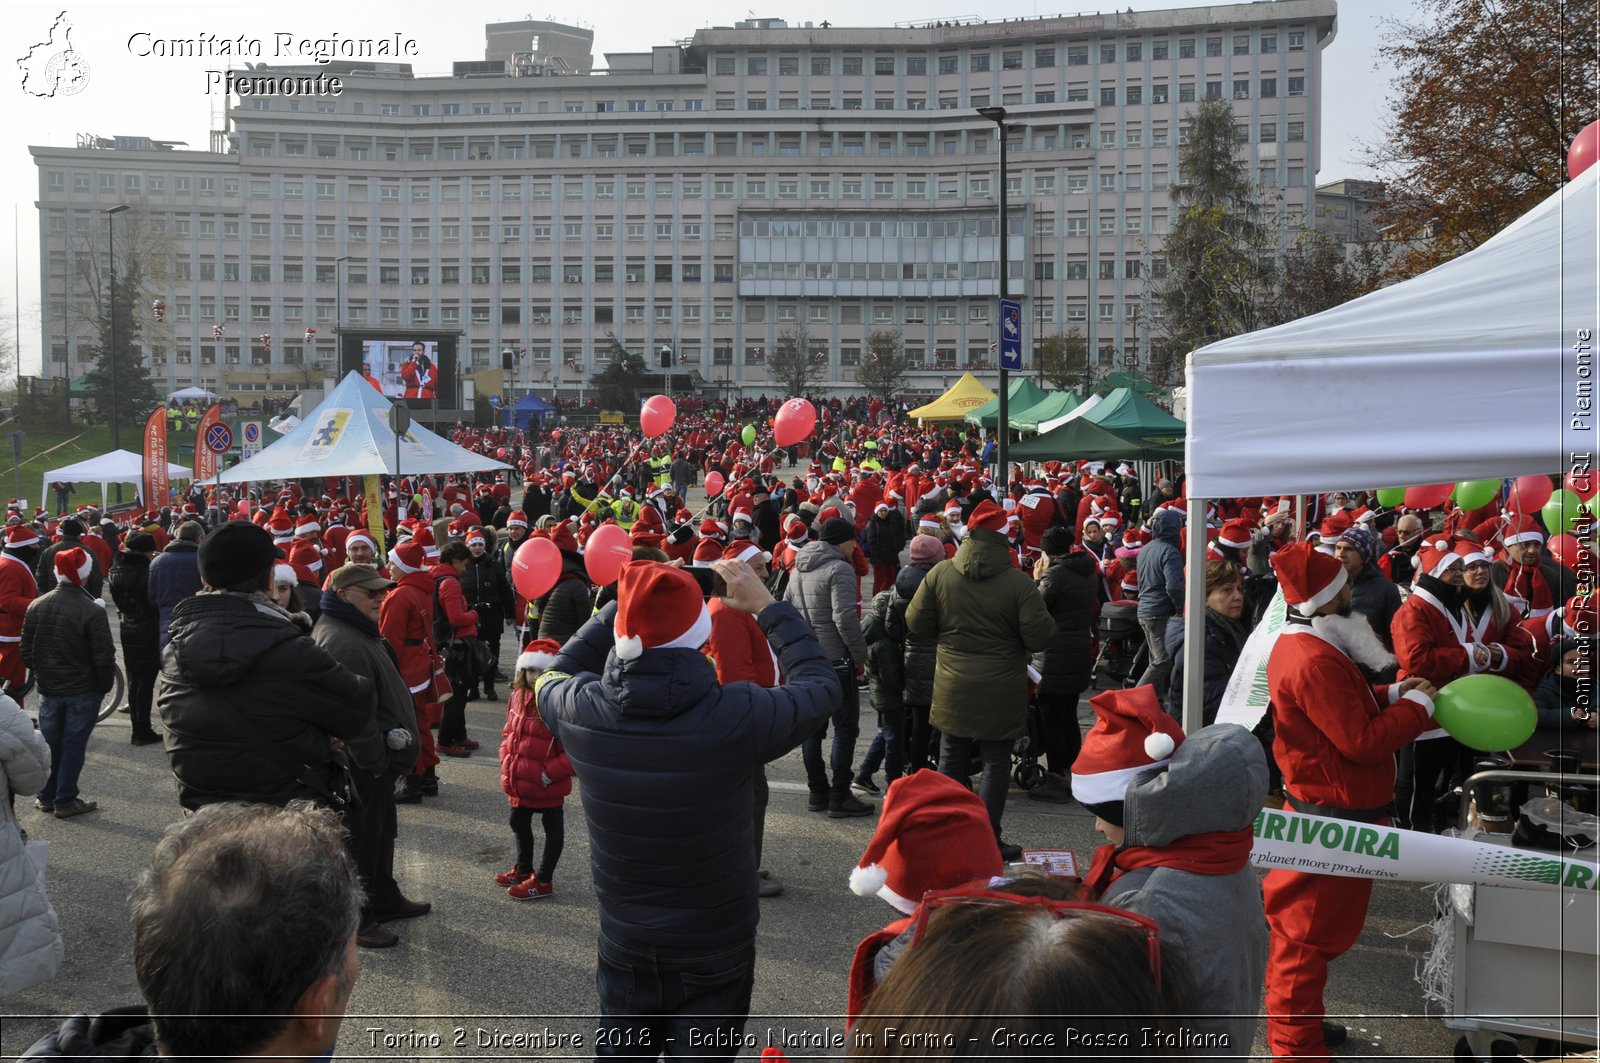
[(421, 369)]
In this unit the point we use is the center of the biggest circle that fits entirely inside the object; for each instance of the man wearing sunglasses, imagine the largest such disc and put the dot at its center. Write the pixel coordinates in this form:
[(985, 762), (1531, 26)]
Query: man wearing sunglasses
[(1336, 739)]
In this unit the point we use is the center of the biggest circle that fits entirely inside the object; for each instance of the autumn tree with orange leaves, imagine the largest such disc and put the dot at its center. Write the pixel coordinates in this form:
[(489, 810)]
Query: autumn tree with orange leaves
[(1487, 95)]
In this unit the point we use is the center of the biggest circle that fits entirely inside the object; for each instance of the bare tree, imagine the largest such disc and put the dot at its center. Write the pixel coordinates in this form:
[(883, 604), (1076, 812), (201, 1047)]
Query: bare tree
[(1065, 359), (884, 372), (797, 363)]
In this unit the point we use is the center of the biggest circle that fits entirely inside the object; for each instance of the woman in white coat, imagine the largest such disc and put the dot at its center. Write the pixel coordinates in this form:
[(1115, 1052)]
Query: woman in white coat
[(30, 938)]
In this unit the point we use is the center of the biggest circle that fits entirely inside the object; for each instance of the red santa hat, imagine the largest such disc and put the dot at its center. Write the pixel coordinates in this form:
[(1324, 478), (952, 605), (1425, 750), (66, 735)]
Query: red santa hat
[(987, 517), (743, 550), (649, 520), (713, 529), (658, 608), (281, 525), (1471, 551), (359, 537), (1580, 617), (307, 525), (423, 537), (1131, 734), (1436, 555), (929, 523), (538, 655), (707, 551), (562, 536), (1235, 534), (282, 573), (408, 557), (73, 565), (1309, 579), (794, 529), (19, 536), (933, 833), (517, 519), (1523, 529), (475, 535)]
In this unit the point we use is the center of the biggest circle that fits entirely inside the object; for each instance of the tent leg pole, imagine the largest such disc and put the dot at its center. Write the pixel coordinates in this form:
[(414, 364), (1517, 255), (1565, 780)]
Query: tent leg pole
[(1194, 619)]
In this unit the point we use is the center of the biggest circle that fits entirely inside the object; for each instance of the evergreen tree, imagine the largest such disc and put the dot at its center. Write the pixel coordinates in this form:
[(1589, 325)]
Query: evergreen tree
[(1065, 359), (118, 365), (617, 386)]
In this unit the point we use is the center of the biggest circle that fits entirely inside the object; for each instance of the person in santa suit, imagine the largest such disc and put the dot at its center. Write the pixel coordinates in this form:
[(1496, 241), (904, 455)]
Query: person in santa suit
[(1335, 741), (421, 376), (1037, 510), (1533, 581), (406, 621), (17, 590)]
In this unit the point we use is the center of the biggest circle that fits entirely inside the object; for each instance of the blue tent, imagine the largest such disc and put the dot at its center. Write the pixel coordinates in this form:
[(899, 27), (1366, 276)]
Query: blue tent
[(529, 409)]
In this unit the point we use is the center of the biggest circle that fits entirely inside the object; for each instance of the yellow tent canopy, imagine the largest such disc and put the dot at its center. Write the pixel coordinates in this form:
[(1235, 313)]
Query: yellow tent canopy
[(964, 396)]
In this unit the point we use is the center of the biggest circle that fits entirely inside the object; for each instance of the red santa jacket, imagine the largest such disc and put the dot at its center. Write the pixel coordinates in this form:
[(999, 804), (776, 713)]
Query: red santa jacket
[(463, 621), (17, 589), (101, 550), (333, 547), (419, 381), (739, 649), (306, 557), (863, 980), (527, 751), (1037, 511), (407, 622), (866, 496), (1430, 642), (1334, 743)]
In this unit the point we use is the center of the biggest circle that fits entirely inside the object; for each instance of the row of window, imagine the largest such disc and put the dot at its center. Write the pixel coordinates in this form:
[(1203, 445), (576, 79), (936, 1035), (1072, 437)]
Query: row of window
[(979, 61)]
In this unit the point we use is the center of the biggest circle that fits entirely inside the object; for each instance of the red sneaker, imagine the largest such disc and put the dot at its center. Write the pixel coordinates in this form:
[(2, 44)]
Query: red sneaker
[(509, 878), (470, 743), (454, 750), (530, 889)]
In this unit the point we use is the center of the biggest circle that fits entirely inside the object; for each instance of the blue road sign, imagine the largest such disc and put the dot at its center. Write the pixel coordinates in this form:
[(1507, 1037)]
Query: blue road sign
[(1011, 335), (252, 431), (219, 437)]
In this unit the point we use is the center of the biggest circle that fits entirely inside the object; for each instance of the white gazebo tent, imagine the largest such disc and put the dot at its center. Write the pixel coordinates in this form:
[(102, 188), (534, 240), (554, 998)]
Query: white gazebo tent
[(116, 467), (349, 435), (1483, 366), (186, 394)]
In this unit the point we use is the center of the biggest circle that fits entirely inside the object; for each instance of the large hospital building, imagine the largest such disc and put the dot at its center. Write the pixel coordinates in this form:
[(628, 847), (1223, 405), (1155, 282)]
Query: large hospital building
[(713, 196)]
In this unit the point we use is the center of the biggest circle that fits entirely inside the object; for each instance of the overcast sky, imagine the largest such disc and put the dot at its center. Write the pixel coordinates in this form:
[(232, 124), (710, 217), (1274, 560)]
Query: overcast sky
[(166, 98)]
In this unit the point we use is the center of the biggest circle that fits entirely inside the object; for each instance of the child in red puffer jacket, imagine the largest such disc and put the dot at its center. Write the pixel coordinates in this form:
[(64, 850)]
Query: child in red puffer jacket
[(536, 777)]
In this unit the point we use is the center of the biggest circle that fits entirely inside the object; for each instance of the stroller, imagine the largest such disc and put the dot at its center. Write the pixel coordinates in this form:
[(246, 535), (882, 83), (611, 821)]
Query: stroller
[(1123, 654)]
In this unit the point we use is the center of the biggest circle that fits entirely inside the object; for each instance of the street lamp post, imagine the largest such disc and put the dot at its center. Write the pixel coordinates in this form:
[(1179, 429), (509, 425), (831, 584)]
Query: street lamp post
[(338, 309), (111, 247), (997, 115)]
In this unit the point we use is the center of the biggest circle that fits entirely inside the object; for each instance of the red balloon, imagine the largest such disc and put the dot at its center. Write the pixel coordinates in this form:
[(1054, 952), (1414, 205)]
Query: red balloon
[(1528, 494), (714, 484), (796, 418), (1585, 147), (501, 453), (1564, 548), (1428, 496), (1583, 484), (657, 416), (535, 567), (608, 549)]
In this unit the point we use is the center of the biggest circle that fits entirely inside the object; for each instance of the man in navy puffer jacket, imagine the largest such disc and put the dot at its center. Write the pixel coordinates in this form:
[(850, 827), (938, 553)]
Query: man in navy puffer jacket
[(665, 760)]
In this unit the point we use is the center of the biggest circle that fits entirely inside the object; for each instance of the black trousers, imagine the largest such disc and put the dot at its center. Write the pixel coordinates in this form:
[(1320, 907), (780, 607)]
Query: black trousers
[(461, 672), (372, 826), (553, 820), (1058, 730), (490, 627), (141, 655)]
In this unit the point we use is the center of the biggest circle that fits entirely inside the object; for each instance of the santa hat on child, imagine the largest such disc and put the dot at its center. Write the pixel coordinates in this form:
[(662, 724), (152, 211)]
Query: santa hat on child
[(658, 608), (73, 565), (1131, 734), (1309, 578), (933, 833), (987, 516), (538, 655)]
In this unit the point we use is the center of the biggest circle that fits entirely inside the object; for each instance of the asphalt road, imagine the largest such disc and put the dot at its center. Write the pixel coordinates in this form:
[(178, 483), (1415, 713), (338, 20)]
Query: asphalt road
[(483, 968)]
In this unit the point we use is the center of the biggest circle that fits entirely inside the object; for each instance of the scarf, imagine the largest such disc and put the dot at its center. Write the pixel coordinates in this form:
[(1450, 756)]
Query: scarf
[(339, 609), (1214, 853), (1231, 627), (1527, 584)]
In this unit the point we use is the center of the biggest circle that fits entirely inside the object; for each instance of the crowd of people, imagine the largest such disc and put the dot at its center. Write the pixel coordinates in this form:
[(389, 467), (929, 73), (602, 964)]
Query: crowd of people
[(309, 644)]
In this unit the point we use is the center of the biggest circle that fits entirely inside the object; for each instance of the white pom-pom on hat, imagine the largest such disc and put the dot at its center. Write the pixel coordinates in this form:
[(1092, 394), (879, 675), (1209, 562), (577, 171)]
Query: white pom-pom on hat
[(1159, 746), (867, 881), (629, 648)]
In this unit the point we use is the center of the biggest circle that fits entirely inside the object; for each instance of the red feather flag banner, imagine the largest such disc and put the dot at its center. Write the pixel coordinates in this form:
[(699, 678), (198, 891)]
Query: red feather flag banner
[(155, 459), (205, 459)]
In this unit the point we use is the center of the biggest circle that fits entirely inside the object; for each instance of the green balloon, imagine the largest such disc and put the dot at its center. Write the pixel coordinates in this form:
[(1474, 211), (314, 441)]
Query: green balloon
[(1389, 497), (1486, 712), (1471, 494), (748, 435), (1561, 512)]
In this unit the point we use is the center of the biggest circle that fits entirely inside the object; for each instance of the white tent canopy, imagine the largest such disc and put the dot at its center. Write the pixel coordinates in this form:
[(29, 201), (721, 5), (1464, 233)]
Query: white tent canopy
[(185, 394), (117, 467), (1473, 369), (349, 435)]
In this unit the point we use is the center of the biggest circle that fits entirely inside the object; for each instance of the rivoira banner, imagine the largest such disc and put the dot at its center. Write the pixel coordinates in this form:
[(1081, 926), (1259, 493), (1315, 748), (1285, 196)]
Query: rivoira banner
[(1295, 841)]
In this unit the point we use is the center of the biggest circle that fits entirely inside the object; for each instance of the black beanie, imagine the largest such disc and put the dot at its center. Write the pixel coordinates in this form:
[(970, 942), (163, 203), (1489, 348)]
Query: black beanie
[(836, 530), (1057, 540), (235, 553), (1110, 811)]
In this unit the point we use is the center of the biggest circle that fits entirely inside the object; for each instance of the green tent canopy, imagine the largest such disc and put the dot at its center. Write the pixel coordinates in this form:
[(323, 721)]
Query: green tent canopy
[(1056, 404), (1081, 439), (1130, 414), (1023, 395), (1112, 381)]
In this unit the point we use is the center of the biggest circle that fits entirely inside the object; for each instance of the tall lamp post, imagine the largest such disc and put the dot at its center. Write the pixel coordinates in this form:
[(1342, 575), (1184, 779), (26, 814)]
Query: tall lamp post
[(338, 309), (111, 247), (997, 115)]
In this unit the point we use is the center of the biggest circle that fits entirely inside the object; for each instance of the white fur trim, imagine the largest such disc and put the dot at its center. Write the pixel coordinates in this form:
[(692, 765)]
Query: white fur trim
[(539, 662), (1534, 536), (394, 559), (1420, 698), (1158, 745), (1327, 594), (282, 573), (903, 905), (629, 648), (87, 567), (867, 881), (693, 638), (1107, 785)]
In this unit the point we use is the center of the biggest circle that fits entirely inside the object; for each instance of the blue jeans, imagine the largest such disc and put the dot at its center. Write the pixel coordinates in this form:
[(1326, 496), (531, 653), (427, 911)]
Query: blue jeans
[(955, 758), (66, 723), (846, 720), (666, 1001), (888, 747)]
